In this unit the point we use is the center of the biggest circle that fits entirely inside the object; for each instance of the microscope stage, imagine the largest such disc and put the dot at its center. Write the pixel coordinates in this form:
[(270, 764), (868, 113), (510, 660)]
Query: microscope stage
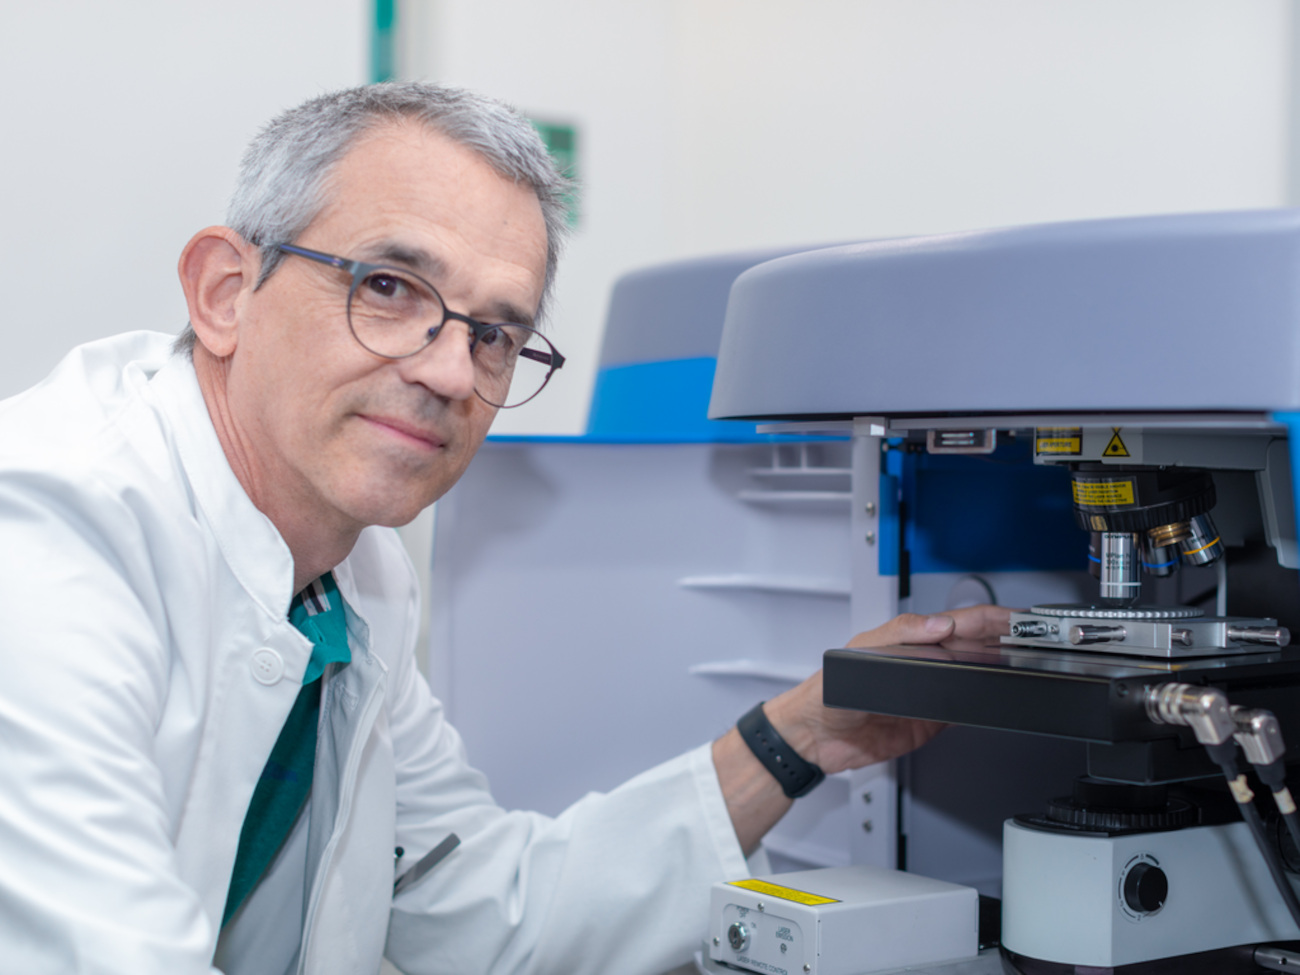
[(1170, 632), (1091, 697)]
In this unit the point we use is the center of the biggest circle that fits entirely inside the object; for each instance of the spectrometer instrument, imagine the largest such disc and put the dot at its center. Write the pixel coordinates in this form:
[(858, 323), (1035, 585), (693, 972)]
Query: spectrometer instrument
[(1147, 372)]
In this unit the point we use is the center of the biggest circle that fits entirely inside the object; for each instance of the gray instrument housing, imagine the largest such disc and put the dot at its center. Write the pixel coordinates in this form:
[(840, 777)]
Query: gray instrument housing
[(1169, 313)]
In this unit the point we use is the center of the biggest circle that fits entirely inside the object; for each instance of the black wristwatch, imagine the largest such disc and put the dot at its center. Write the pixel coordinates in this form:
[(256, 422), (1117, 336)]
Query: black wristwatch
[(797, 777)]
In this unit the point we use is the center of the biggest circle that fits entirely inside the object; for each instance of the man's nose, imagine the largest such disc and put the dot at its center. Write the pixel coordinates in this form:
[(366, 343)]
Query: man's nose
[(445, 366)]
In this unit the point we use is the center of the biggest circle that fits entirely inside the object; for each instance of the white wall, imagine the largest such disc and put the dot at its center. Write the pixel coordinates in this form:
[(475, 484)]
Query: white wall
[(122, 128), (714, 125), (706, 126)]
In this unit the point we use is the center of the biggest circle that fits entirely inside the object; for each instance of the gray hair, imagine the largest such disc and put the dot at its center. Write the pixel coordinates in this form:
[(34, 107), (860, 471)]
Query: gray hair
[(282, 180)]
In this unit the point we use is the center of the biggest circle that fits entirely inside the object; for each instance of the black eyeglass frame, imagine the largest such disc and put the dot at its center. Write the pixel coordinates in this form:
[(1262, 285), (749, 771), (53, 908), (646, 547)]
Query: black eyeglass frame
[(553, 360)]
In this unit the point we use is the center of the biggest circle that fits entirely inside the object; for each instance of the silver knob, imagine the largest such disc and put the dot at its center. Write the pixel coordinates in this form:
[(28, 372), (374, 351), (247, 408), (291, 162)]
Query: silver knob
[(1278, 636), (1084, 634), (738, 936)]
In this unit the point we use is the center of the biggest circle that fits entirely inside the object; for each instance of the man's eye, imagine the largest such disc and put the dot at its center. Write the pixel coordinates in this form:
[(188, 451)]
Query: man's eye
[(385, 285)]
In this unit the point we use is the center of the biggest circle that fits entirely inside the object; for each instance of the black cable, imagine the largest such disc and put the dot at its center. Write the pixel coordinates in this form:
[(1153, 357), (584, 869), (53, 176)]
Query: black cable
[(1220, 727), (1273, 775), (1274, 862), (1292, 821), (1224, 756)]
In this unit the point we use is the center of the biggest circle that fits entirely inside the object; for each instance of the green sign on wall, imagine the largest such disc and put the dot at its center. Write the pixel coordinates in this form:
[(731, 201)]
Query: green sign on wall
[(562, 141), (383, 53)]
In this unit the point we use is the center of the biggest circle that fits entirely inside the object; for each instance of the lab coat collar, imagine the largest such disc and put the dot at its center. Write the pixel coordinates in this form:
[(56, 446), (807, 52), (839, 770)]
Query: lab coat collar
[(358, 628)]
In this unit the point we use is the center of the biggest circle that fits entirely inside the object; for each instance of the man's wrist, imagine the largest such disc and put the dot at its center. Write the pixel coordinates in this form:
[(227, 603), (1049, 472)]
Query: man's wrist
[(788, 713), (796, 776)]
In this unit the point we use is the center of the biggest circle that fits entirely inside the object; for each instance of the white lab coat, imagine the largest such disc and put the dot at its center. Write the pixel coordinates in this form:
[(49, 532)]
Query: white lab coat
[(147, 670)]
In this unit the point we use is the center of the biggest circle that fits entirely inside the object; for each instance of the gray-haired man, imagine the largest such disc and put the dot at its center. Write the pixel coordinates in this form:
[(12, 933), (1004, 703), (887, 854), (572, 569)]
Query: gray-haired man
[(217, 749)]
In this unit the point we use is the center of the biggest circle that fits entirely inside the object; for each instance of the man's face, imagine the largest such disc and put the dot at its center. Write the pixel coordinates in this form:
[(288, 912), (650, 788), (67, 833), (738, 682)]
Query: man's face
[(330, 430)]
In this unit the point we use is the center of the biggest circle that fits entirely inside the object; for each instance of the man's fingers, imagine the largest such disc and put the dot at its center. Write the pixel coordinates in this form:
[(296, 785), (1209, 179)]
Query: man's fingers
[(979, 622), (972, 623), (907, 628)]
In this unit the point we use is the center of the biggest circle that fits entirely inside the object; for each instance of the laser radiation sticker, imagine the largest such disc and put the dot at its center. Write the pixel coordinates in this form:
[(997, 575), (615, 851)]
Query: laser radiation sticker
[(1115, 448), (785, 893), (1058, 440)]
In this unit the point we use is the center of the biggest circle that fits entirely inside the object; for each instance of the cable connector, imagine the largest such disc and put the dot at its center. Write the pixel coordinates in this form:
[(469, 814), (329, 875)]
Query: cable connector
[(1260, 737), (1220, 728), (1203, 709), (1258, 734)]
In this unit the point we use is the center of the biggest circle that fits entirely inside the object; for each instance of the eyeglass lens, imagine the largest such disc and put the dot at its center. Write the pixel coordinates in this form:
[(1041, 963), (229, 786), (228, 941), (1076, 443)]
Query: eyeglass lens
[(394, 314)]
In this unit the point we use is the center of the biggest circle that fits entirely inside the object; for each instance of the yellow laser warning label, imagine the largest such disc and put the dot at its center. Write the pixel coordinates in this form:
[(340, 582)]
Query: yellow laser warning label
[(1103, 494), (785, 893), (1115, 447), (1058, 440)]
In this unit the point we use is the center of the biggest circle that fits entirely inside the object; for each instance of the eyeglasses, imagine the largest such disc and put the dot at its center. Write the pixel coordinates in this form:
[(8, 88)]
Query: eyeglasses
[(395, 314)]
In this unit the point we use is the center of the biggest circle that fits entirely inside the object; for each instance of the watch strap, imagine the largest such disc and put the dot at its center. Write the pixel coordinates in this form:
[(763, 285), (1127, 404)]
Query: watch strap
[(796, 776)]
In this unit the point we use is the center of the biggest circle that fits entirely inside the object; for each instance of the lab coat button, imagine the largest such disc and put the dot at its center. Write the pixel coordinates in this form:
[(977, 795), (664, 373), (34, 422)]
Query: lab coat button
[(267, 666)]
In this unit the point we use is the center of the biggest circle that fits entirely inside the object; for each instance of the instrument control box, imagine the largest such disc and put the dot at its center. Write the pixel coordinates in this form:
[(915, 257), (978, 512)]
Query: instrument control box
[(841, 921)]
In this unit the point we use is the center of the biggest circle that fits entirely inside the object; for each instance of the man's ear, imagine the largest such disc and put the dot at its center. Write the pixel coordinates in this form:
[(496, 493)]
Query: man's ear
[(216, 266)]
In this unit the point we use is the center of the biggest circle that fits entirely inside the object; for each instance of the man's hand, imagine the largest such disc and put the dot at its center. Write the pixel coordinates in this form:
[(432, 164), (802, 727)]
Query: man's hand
[(837, 739)]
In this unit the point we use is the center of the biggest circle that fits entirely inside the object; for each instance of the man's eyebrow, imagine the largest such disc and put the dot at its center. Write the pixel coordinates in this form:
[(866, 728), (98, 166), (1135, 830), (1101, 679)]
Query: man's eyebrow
[(503, 312), (430, 266), (416, 258)]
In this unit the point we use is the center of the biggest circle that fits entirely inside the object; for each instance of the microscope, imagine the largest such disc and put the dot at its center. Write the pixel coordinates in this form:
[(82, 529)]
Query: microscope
[(1147, 372), (1147, 520)]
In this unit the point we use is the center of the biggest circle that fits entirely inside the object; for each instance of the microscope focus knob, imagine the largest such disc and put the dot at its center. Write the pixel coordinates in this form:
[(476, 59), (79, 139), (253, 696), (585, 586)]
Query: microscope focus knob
[(1145, 888)]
